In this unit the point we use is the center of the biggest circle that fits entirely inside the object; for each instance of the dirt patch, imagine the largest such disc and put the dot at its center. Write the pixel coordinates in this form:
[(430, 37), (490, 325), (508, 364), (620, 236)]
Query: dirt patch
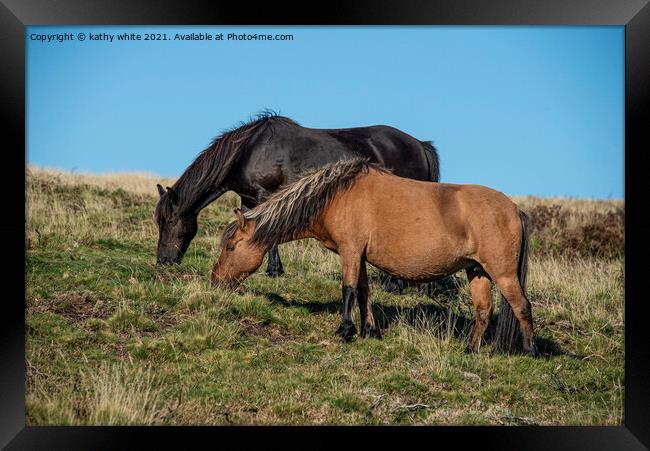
[(166, 321), (272, 332), (72, 305), (163, 318)]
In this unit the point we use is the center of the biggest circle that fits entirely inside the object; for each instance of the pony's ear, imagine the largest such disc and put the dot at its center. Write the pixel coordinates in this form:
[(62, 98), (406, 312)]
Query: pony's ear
[(161, 190), (172, 194), (241, 219)]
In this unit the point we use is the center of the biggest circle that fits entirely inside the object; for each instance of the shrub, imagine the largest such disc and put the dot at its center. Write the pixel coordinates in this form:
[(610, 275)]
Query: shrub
[(558, 231)]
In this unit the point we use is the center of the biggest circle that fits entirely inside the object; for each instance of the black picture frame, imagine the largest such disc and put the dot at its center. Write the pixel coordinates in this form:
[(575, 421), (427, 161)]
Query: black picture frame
[(15, 15)]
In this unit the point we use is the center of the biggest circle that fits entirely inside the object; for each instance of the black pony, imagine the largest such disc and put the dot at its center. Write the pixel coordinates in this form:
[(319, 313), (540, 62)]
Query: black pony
[(255, 159)]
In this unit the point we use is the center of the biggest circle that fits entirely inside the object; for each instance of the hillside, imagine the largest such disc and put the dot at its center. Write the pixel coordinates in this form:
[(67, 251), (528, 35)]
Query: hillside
[(113, 338)]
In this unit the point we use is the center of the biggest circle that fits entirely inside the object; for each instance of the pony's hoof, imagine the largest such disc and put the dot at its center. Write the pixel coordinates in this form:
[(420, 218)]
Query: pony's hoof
[(346, 331), (470, 350), (275, 273), (370, 331), (532, 351)]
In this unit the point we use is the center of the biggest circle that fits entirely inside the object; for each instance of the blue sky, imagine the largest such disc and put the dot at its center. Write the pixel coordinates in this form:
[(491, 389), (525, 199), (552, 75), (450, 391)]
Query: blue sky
[(525, 110)]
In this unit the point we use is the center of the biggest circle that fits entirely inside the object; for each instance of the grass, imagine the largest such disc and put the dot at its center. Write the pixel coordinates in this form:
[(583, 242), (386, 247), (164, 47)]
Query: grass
[(113, 338)]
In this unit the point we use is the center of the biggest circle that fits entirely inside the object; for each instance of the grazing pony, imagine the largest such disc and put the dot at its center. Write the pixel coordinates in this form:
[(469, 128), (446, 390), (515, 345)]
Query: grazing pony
[(417, 231), (258, 157)]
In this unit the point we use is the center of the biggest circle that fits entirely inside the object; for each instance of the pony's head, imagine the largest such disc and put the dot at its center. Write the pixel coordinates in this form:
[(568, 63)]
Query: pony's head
[(240, 255), (176, 228)]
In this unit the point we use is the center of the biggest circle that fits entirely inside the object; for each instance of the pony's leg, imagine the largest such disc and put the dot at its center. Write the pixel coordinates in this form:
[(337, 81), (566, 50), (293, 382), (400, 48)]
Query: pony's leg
[(512, 292), (480, 285), (351, 263), (274, 268), (368, 326)]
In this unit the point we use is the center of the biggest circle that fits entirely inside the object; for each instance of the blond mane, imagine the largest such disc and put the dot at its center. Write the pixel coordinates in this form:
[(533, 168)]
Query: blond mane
[(294, 208)]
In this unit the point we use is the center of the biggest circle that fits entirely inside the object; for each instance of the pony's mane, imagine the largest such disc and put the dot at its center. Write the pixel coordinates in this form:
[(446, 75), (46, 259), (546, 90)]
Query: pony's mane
[(210, 168), (295, 207)]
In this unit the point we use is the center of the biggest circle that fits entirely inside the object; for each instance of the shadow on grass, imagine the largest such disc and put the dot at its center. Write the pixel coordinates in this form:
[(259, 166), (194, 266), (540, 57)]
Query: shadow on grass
[(311, 306), (449, 285), (460, 326)]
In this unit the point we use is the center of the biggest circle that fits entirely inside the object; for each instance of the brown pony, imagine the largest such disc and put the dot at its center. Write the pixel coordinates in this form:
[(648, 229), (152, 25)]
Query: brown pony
[(418, 231)]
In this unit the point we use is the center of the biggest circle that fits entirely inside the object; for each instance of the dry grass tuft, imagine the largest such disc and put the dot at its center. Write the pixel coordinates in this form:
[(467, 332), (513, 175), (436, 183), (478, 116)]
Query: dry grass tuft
[(432, 339), (122, 396)]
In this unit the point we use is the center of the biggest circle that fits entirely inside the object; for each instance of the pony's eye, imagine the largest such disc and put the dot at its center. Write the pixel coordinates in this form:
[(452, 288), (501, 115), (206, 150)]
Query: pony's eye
[(230, 247)]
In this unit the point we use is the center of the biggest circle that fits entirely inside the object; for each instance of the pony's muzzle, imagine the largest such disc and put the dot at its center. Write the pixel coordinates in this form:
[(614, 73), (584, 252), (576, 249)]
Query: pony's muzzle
[(165, 260), (221, 283), (228, 284)]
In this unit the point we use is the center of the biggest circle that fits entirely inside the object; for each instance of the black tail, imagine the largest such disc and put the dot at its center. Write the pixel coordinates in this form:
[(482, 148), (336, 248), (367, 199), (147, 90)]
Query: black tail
[(432, 158), (508, 334)]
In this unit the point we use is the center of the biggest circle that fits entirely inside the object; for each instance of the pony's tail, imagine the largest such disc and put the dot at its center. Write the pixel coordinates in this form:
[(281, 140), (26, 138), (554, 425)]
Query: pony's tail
[(431, 154), (508, 334)]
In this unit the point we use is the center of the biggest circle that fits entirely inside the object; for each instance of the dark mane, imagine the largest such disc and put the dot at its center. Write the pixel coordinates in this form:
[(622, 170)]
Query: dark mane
[(294, 208), (210, 168)]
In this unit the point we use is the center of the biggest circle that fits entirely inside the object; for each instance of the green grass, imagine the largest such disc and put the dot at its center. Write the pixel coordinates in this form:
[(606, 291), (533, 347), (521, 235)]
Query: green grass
[(113, 338)]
